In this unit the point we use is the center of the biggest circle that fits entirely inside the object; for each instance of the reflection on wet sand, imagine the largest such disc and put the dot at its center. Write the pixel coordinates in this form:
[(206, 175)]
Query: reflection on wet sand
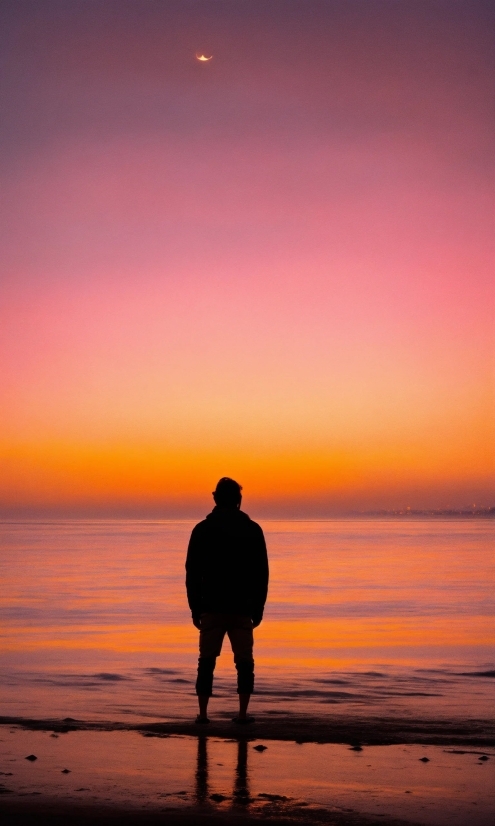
[(202, 771), (210, 780), (241, 784), (240, 794)]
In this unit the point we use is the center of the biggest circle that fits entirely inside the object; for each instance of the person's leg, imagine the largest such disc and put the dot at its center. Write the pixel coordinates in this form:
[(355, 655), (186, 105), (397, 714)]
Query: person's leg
[(204, 680), (203, 700), (211, 636), (243, 705), (240, 631)]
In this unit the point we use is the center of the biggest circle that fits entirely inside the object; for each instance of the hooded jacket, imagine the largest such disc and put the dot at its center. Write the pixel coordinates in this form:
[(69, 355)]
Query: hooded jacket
[(227, 565)]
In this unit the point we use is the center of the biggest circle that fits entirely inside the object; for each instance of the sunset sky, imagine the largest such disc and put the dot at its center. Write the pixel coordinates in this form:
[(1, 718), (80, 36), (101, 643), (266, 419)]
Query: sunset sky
[(276, 265)]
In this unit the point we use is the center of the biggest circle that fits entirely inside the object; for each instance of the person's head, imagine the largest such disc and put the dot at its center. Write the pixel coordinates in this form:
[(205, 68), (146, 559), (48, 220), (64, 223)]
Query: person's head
[(227, 493)]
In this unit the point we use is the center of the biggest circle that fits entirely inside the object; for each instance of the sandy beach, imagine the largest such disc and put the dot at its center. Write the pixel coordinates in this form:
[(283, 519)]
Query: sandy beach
[(376, 731), (294, 770), (54, 812)]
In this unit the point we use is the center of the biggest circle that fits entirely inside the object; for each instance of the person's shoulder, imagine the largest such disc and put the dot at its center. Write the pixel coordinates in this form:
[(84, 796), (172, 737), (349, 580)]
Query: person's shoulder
[(200, 527), (253, 526)]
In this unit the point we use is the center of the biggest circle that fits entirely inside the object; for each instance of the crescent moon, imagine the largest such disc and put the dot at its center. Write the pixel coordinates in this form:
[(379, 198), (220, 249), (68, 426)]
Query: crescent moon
[(203, 58)]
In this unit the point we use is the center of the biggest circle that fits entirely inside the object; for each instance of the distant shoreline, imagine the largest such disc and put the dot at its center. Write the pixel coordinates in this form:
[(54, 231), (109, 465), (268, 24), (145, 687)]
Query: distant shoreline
[(447, 513), (450, 512)]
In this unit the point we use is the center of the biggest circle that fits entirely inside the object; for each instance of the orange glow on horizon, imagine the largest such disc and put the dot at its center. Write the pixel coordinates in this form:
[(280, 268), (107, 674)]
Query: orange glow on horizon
[(71, 474)]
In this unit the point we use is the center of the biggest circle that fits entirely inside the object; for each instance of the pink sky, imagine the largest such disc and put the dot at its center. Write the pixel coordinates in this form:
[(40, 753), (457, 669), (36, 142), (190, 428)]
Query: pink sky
[(277, 265)]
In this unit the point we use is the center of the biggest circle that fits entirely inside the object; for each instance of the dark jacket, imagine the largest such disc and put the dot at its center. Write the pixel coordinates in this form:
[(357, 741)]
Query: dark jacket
[(227, 566)]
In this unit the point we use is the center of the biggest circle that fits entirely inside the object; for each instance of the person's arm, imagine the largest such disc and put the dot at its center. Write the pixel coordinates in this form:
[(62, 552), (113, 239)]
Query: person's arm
[(260, 580), (193, 577)]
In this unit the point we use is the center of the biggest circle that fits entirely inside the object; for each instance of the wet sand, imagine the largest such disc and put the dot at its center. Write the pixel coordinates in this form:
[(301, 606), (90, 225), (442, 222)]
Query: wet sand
[(299, 728), (57, 813), (288, 771)]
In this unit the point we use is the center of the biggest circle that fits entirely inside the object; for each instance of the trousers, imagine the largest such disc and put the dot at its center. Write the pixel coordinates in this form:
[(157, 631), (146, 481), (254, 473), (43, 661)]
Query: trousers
[(239, 630)]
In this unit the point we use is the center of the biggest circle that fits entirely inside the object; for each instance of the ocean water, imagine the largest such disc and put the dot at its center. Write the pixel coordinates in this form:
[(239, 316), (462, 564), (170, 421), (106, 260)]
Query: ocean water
[(372, 617)]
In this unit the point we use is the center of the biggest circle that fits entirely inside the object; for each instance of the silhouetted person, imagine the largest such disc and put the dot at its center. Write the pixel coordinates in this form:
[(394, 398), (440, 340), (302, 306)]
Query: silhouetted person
[(227, 583)]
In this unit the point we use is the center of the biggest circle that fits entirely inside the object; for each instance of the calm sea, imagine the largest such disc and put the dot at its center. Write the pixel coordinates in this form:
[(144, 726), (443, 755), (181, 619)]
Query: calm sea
[(363, 617)]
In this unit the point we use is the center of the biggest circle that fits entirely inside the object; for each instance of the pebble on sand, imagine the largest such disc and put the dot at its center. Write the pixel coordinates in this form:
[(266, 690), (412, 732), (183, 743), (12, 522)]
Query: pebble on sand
[(218, 798), (273, 797), (31, 757), (424, 759), (65, 771), (260, 748)]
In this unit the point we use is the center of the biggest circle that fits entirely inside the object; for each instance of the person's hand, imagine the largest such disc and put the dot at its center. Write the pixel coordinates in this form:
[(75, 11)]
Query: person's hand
[(196, 621)]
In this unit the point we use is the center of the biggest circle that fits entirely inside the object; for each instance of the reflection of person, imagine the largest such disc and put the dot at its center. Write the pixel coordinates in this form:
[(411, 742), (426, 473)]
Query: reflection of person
[(241, 785), (227, 583), (202, 771), (241, 794)]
